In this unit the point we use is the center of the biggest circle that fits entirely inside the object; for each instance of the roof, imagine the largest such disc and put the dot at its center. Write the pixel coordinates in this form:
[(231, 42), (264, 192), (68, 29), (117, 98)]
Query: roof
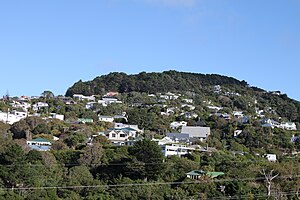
[(40, 148), (40, 140), (196, 173), (201, 172), (214, 174), (178, 136), (196, 131)]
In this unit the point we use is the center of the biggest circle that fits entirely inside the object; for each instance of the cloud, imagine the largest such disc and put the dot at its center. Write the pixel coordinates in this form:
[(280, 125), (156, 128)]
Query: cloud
[(179, 3)]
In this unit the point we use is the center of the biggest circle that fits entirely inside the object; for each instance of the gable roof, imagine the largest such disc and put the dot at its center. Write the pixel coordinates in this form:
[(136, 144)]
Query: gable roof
[(196, 131)]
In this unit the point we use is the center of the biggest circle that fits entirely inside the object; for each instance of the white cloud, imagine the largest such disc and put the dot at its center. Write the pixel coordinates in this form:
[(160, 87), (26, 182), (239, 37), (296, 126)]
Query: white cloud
[(185, 3)]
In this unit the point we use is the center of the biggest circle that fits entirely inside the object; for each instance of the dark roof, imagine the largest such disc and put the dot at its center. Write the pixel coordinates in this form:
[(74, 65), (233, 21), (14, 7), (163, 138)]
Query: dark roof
[(178, 136)]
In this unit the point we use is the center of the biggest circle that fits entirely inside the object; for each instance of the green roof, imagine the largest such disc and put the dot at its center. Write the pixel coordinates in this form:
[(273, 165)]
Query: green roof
[(86, 120), (40, 140), (214, 174)]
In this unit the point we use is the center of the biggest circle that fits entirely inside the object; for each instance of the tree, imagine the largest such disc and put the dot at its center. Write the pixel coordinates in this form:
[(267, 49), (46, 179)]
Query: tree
[(91, 156), (47, 94), (150, 154)]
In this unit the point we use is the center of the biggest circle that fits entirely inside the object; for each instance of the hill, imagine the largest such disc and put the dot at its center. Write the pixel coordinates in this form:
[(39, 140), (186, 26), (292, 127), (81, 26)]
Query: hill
[(168, 81), (196, 84)]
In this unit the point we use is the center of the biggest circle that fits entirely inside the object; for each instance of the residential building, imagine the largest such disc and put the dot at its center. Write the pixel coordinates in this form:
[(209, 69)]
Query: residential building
[(81, 97), (106, 118), (197, 174), (176, 125), (288, 126), (271, 157), (38, 106), (39, 144), (117, 135), (176, 150), (199, 132)]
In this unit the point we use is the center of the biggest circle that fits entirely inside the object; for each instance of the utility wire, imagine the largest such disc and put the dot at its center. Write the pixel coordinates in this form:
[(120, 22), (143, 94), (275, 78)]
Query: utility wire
[(147, 184)]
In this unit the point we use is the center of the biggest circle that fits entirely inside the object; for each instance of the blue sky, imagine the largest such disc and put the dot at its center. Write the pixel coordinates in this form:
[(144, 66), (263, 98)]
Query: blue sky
[(49, 45)]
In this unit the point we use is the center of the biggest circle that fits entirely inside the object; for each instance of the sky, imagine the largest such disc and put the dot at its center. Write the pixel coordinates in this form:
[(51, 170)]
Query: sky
[(51, 44)]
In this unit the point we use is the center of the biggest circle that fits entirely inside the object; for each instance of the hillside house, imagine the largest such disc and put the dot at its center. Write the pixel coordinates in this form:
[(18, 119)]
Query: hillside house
[(81, 97), (106, 118), (199, 132), (176, 125), (197, 174), (176, 150), (39, 144), (120, 135), (12, 117), (288, 126), (38, 106)]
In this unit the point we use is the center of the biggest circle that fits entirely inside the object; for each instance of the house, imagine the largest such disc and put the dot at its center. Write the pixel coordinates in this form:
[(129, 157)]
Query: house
[(179, 137), (237, 133), (176, 125), (294, 138), (81, 97), (189, 115), (176, 150), (39, 144), (217, 89), (12, 117), (121, 134), (90, 105), (38, 106), (197, 174), (215, 108), (106, 118), (238, 114), (199, 132), (57, 116), (288, 126), (188, 100), (135, 127), (109, 100), (23, 105), (85, 120), (271, 157), (270, 123), (164, 141)]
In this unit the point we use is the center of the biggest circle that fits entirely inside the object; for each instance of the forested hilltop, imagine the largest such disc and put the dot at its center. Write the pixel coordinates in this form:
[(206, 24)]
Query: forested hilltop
[(168, 81), (169, 135)]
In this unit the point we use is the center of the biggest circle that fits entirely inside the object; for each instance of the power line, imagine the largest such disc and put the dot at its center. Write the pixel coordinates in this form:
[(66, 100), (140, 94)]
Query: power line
[(147, 184), (253, 195)]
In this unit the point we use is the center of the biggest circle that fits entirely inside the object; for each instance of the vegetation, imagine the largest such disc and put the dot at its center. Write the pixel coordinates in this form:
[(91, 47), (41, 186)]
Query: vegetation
[(78, 168)]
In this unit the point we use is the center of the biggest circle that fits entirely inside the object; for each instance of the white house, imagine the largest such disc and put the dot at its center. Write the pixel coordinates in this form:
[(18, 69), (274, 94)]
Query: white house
[(215, 108), (23, 105), (39, 144), (57, 116), (12, 117), (120, 134), (176, 125), (106, 119), (176, 150), (39, 106), (82, 97), (271, 157), (288, 126), (237, 133), (238, 114)]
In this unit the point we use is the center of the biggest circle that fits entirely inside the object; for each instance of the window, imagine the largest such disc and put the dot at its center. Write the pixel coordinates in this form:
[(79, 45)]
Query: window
[(122, 135), (113, 135)]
